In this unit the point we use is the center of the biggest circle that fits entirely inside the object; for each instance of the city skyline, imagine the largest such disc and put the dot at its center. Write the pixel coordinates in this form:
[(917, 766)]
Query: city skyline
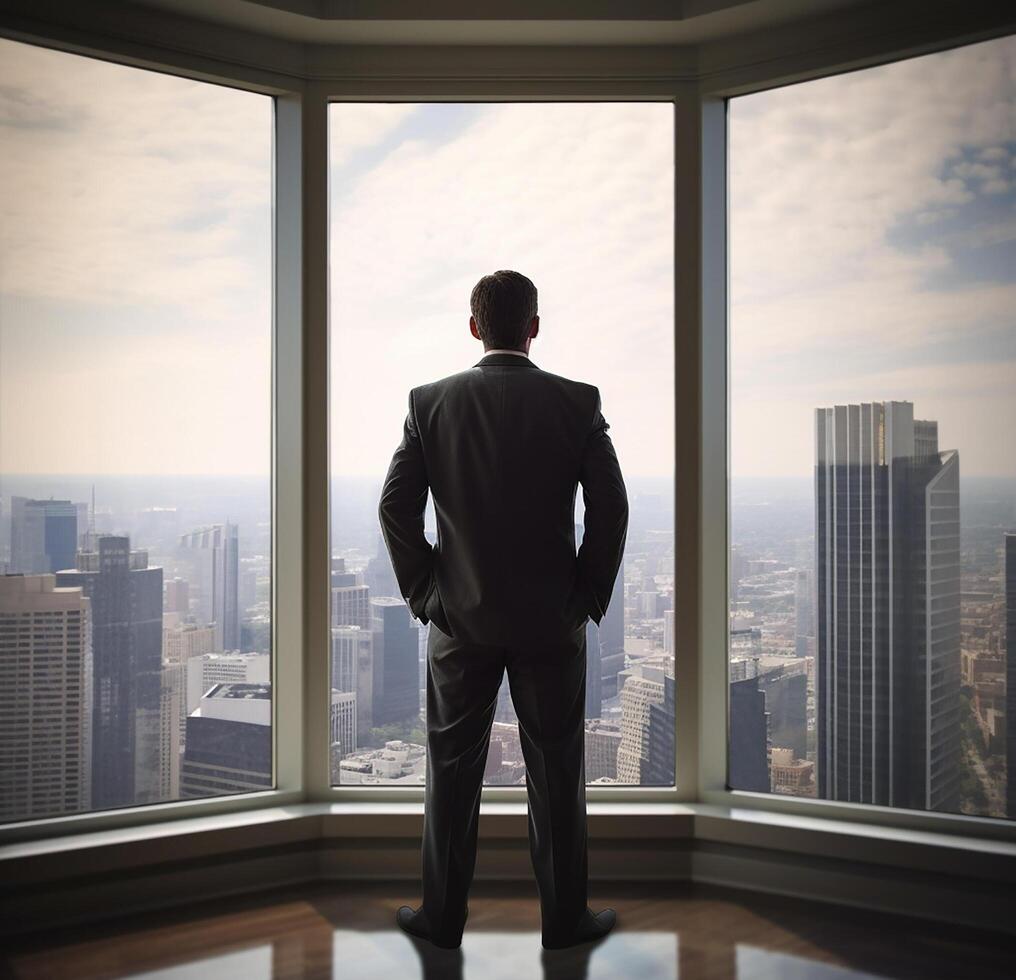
[(877, 260)]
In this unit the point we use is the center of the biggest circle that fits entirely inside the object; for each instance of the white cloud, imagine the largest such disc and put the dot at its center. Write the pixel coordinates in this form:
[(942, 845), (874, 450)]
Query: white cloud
[(135, 278), (146, 197), (349, 132), (822, 174), (576, 196), (123, 186)]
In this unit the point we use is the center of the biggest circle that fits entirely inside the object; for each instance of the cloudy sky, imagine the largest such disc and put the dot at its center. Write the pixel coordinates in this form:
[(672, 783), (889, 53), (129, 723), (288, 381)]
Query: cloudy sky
[(873, 220), (135, 276), (426, 199), (873, 255)]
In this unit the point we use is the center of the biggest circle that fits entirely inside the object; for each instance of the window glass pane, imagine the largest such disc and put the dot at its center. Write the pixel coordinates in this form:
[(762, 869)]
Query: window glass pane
[(425, 199), (873, 491), (135, 436)]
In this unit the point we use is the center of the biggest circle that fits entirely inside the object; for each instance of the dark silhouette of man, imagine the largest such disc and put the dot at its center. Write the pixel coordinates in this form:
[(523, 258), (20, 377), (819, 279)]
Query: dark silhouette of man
[(502, 447)]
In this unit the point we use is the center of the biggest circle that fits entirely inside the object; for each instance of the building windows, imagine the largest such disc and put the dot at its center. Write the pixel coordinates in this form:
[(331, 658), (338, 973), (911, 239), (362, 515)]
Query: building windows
[(135, 436), (873, 472), (424, 200)]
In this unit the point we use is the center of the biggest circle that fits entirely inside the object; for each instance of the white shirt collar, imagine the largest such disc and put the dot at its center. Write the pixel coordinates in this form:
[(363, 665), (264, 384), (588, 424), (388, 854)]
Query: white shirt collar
[(521, 353)]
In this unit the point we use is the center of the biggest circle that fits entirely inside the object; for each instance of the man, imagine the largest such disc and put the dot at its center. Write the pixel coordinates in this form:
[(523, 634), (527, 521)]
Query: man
[(502, 447)]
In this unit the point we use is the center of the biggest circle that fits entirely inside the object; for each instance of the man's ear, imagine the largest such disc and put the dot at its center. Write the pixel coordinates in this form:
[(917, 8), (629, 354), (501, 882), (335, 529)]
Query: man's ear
[(535, 326), (472, 328)]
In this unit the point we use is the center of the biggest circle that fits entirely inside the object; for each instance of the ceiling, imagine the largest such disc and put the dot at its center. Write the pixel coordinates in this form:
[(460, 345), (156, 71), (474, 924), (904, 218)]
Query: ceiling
[(642, 22)]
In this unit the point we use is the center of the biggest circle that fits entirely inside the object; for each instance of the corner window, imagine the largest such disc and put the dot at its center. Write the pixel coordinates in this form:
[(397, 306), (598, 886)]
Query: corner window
[(135, 436), (873, 468)]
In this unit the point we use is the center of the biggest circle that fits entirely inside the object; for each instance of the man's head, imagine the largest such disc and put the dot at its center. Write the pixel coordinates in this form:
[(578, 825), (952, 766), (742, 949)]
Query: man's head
[(503, 307)]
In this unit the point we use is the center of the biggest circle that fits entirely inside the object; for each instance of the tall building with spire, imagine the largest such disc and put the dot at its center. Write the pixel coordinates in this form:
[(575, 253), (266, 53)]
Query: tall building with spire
[(887, 610)]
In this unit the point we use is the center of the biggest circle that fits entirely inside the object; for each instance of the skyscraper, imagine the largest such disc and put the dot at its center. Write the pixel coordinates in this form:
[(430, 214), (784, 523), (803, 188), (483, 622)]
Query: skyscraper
[(172, 721), (177, 598), (804, 629), (379, 575), (612, 638), (887, 608), (594, 679), (353, 671), (339, 574), (229, 742), (668, 631), (45, 698), (396, 674), (44, 535), (602, 742), (126, 605), (343, 722), (643, 687), (594, 673), (1010, 673), (748, 752), (660, 748), (202, 673), (351, 605), (180, 643), (214, 555), (786, 703)]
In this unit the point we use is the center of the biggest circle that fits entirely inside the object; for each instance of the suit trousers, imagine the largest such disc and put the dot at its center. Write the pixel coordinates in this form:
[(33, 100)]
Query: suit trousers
[(547, 682)]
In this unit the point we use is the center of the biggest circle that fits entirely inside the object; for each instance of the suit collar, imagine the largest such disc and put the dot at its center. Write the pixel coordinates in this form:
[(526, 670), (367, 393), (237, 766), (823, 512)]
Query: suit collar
[(504, 360)]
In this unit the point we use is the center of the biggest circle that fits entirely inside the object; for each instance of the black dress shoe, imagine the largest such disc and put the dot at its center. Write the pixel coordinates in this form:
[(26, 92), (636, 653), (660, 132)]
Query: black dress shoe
[(592, 926), (414, 922)]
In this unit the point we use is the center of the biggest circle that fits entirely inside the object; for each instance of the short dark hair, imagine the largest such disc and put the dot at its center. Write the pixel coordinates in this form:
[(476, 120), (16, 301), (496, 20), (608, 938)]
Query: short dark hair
[(503, 305)]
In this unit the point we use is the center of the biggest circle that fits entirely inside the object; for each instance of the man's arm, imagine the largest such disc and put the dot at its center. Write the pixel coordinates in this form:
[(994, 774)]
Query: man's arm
[(606, 517), (401, 510)]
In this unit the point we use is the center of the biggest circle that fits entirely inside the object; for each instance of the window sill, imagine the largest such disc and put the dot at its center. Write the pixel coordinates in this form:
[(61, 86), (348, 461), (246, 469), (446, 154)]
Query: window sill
[(81, 877), (53, 858)]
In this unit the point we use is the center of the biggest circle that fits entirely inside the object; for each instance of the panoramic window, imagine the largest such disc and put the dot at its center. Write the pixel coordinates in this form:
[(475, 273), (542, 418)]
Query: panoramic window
[(873, 468), (135, 436), (424, 200)]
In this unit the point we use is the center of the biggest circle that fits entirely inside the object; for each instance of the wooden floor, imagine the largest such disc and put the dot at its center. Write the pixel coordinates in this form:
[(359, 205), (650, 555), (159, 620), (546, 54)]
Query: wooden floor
[(346, 931)]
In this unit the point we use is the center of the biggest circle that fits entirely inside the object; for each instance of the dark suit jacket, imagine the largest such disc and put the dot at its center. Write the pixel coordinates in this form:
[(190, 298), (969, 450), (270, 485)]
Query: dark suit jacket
[(502, 447)]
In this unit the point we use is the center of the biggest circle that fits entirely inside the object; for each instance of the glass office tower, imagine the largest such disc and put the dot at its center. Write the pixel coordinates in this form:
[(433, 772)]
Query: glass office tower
[(887, 608)]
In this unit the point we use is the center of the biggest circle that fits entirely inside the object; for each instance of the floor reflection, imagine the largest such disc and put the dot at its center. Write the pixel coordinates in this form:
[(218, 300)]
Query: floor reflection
[(754, 963), (496, 955), (241, 964), (347, 931)]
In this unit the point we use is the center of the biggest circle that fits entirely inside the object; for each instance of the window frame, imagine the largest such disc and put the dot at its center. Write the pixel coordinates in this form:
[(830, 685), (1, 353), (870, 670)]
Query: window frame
[(715, 576), (698, 82), (320, 627), (286, 489)]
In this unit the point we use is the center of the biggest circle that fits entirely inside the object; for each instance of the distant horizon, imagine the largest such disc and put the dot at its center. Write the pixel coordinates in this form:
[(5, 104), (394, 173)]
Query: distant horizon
[(376, 478)]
